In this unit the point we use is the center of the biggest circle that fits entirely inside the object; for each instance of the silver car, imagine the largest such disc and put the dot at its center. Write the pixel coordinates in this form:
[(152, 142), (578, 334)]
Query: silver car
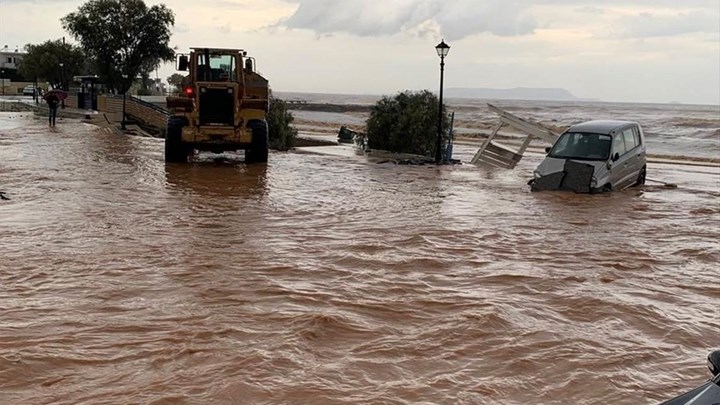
[(594, 156), (28, 90)]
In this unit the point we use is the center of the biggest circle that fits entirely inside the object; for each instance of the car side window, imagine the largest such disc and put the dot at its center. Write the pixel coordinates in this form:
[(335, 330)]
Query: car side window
[(629, 139), (636, 134), (619, 144)]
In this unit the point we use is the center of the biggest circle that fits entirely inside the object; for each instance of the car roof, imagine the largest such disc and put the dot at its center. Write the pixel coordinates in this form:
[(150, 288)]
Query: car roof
[(599, 126)]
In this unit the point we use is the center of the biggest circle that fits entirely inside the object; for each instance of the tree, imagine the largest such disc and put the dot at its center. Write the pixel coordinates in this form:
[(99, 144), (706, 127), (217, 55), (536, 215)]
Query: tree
[(43, 62), (406, 123), (176, 80), (124, 37), (280, 133), (145, 81)]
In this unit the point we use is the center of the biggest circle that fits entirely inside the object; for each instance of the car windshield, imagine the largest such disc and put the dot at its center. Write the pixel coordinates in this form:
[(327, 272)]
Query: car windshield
[(583, 146)]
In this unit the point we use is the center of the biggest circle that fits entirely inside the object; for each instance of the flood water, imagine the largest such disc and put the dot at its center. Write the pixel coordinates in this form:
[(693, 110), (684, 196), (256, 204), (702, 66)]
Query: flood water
[(331, 280)]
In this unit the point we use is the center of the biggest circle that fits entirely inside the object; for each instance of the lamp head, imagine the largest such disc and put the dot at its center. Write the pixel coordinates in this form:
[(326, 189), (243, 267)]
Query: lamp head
[(442, 49)]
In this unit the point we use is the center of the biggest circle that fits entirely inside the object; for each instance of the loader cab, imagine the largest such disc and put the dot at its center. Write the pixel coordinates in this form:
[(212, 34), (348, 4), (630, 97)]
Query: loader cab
[(216, 68), (214, 65)]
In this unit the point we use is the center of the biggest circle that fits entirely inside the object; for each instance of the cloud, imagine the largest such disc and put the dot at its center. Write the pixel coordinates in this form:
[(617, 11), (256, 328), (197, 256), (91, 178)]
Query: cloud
[(457, 19), (590, 10), (644, 25), (453, 19)]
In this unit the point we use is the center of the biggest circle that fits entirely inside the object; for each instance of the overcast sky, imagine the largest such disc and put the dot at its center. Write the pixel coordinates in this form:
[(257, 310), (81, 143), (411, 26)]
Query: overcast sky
[(613, 50)]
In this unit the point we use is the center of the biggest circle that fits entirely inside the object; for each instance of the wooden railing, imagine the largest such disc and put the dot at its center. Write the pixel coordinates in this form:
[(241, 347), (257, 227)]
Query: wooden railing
[(495, 154)]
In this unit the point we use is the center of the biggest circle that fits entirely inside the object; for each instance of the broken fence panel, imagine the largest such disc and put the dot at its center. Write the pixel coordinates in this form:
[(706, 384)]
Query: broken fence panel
[(493, 153)]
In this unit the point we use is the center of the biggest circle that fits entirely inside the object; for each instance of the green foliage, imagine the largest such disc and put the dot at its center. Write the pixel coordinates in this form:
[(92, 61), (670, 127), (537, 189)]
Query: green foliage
[(406, 123), (281, 134), (124, 37), (176, 80), (43, 61)]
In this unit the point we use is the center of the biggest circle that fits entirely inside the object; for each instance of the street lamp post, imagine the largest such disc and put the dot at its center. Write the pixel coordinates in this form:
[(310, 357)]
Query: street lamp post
[(62, 76), (442, 50), (2, 80), (122, 123), (62, 82)]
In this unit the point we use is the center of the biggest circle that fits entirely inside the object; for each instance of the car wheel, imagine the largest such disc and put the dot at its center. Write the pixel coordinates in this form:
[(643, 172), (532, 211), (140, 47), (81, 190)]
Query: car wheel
[(175, 151), (641, 177)]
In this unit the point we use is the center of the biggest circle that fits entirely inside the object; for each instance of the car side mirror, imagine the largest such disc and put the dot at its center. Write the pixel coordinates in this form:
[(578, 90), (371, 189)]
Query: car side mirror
[(616, 157), (547, 150), (714, 362), (182, 63)]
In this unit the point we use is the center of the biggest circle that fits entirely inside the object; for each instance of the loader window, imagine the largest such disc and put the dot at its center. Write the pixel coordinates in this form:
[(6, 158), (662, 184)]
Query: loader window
[(221, 68)]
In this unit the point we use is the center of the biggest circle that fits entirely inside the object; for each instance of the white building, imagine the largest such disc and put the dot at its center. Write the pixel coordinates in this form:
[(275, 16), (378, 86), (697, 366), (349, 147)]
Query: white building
[(9, 59)]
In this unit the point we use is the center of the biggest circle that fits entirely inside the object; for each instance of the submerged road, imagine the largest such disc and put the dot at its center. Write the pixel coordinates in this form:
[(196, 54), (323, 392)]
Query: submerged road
[(331, 280)]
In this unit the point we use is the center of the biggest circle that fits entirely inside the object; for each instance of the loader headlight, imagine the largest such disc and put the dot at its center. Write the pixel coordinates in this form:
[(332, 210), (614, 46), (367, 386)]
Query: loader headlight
[(536, 175), (593, 182)]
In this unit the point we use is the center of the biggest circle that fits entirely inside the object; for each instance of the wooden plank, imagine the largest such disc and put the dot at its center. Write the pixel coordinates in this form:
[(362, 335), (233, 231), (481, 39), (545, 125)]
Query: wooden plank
[(494, 162), (501, 150), (528, 128), (486, 143), (499, 156), (503, 160), (524, 125), (525, 145)]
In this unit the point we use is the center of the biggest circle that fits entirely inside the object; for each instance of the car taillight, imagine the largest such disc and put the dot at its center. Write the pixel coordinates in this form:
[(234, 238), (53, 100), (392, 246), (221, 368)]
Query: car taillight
[(189, 91)]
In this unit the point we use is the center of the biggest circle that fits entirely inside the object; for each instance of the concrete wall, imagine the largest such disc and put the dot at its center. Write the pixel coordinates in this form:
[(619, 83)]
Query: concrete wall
[(14, 88), (71, 101)]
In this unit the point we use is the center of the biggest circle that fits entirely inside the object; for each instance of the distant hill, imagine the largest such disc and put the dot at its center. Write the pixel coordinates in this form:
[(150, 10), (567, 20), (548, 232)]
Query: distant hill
[(518, 93)]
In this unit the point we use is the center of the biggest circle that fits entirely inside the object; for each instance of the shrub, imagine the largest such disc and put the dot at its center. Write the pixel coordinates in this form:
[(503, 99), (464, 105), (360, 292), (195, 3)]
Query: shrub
[(281, 134), (406, 123)]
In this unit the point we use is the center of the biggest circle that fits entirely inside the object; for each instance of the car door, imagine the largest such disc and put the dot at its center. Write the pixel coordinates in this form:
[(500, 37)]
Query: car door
[(618, 171), (633, 162)]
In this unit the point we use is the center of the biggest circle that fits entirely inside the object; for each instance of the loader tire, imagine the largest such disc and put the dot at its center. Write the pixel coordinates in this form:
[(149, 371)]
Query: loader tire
[(175, 151), (258, 152)]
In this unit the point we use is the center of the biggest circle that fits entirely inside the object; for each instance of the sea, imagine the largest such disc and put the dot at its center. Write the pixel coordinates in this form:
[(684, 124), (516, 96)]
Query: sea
[(680, 131)]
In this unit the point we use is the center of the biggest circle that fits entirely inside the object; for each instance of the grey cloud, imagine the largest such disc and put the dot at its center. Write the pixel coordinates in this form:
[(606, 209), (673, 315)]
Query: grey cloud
[(650, 25), (455, 19), (709, 4), (591, 10)]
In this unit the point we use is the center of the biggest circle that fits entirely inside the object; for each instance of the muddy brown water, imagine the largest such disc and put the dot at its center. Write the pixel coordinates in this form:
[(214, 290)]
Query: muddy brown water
[(330, 280)]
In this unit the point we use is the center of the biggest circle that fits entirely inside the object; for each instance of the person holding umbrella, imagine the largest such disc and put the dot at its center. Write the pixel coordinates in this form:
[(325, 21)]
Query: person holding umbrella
[(53, 98)]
